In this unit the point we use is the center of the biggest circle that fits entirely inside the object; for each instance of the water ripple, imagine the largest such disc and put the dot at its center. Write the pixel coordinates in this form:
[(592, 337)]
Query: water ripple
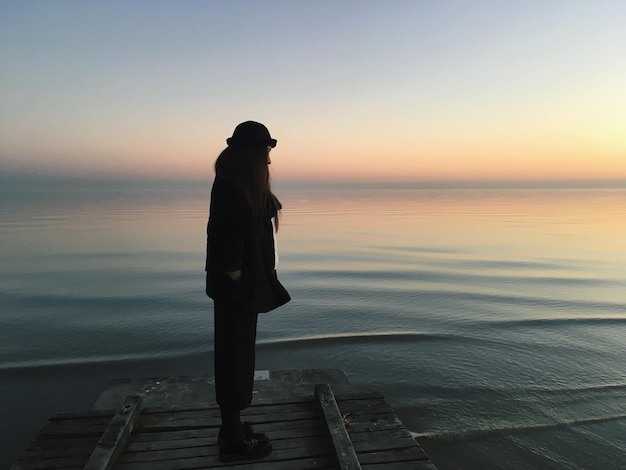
[(349, 338)]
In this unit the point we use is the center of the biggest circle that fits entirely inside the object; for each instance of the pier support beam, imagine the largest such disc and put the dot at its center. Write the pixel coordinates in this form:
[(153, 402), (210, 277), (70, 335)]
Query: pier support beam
[(342, 444)]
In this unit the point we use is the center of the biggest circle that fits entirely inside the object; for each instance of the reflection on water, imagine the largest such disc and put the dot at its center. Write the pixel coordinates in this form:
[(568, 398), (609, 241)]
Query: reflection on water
[(494, 321)]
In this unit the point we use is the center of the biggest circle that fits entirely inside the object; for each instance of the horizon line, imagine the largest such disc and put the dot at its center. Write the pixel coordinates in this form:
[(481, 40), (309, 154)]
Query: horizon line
[(22, 179)]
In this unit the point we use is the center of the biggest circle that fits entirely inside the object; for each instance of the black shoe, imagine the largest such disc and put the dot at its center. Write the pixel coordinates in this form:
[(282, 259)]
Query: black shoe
[(246, 449), (250, 433), (247, 431)]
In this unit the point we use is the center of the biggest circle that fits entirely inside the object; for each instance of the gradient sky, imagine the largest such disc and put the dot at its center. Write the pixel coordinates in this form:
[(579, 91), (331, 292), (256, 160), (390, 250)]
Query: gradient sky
[(364, 91)]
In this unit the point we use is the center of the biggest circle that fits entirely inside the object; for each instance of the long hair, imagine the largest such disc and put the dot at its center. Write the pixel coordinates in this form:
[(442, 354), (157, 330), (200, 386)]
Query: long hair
[(246, 167)]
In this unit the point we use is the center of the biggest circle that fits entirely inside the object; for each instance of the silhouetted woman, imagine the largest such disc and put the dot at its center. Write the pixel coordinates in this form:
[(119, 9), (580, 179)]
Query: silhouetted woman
[(241, 278)]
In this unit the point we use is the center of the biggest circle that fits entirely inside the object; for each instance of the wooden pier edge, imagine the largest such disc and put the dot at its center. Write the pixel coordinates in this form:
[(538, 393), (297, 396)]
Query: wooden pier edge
[(342, 444), (113, 441), (350, 431)]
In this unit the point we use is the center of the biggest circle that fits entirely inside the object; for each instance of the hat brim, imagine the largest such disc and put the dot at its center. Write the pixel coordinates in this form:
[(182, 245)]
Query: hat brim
[(270, 142)]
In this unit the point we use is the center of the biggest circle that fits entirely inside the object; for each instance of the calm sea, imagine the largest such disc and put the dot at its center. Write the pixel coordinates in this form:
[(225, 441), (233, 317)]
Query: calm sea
[(494, 321)]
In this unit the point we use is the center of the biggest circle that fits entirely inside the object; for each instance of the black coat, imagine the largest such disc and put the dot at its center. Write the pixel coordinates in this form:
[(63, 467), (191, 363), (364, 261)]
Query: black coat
[(234, 243)]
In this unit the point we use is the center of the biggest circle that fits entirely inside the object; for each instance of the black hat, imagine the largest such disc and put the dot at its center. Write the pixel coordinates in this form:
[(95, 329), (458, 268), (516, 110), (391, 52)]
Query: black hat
[(251, 133)]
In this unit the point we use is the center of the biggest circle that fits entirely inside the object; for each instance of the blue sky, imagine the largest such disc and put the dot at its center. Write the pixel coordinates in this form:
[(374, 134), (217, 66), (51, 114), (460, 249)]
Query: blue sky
[(398, 90)]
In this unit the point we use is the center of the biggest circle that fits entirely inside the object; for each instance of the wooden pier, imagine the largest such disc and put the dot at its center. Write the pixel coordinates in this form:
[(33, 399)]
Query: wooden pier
[(321, 431)]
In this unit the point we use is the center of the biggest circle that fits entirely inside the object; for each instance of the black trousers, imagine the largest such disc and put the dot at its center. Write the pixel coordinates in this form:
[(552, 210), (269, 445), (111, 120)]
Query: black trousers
[(234, 355)]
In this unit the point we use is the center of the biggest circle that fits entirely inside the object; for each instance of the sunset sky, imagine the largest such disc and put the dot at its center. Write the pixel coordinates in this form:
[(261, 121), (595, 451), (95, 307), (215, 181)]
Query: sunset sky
[(396, 91)]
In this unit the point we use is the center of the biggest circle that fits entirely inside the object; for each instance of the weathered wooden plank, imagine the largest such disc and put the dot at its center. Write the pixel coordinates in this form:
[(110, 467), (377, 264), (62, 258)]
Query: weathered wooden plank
[(202, 447), (286, 400), (164, 422), (209, 453), (385, 424), (55, 450), (112, 442), (377, 434), (150, 446), (43, 465), (61, 451), (390, 456), (179, 439), (279, 407), (342, 397), (50, 464), (283, 450), (379, 416), (342, 445), (86, 414), (273, 407), (310, 463), (287, 417), (73, 428), (43, 445), (316, 463), (301, 435), (399, 433), (379, 445), (254, 413), (182, 413), (150, 423), (422, 465), (140, 436), (275, 429), (372, 410), (379, 421), (372, 407), (207, 456), (258, 403), (375, 412), (355, 405)]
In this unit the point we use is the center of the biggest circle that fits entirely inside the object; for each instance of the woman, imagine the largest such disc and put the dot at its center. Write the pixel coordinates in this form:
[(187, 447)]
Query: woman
[(241, 278)]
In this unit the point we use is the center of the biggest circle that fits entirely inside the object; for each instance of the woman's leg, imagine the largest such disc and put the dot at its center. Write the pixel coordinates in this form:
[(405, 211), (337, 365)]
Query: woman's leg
[(234, 356)]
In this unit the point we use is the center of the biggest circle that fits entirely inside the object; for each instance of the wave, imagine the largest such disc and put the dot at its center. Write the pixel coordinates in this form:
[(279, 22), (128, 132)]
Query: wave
[(118, 303), (438, 274), (551, 322), (494, 430), (348, 338), (528, 391), (376, 287), (99, 363), (470, 263), (414, 249), (446, 414)]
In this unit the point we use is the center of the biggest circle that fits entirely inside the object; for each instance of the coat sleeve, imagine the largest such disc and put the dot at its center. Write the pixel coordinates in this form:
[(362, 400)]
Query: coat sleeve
[(226, 228)]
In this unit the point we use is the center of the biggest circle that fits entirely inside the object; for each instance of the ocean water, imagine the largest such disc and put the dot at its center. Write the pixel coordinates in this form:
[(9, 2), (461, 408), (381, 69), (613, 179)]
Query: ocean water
[(494, 321)]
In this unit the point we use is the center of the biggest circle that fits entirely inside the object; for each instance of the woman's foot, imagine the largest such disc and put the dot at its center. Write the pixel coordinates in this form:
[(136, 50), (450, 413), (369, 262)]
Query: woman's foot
[(245, 449), (247, 431)]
